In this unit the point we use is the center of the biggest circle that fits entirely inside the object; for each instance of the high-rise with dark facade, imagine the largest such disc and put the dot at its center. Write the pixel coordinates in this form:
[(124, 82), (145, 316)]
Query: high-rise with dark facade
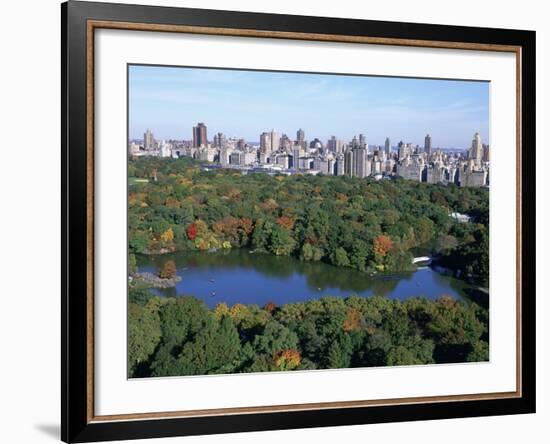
[(199, 135), (428, 145)]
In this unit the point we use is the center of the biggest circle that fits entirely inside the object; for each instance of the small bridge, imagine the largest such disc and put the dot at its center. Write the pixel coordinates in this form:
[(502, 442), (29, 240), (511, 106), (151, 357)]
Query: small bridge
[(422, 259)]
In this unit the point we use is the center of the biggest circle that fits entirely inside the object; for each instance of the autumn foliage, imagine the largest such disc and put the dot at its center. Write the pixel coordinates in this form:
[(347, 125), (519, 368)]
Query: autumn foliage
[(382, 245), (168, 270), (329, 332), (371, 226), (167, 237), (286, 222), (354, 320), (269, 307), (287, 359), (192, 231), (221, 310)]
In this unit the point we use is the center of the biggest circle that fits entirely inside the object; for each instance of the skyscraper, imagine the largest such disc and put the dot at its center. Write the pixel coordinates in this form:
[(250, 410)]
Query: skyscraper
[(148, 140), (269, 141), (199, 135), (219, 140), (428, 145), (361, 165), (296, 153), (387, 147), (300, 136), (265, 142), (348, 163), (476, 152), (404, 150), (334, 145), (275, 140), (339, 169)]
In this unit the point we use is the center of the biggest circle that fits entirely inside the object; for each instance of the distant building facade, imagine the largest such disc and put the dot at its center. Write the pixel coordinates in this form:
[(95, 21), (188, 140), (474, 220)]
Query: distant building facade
[(200, 137)]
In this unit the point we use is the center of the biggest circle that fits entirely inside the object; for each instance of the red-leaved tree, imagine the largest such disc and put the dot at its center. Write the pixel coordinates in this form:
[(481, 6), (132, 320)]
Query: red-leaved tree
[(192, 231)]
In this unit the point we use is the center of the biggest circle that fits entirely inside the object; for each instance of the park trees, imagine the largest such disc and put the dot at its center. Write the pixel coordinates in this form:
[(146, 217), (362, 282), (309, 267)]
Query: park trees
[(351, 222), (182, 336), (144, 333)]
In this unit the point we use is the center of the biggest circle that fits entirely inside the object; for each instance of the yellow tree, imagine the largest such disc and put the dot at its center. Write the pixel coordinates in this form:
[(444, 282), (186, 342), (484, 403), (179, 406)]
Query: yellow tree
[(168, 270), (167, 237), (287, 359)]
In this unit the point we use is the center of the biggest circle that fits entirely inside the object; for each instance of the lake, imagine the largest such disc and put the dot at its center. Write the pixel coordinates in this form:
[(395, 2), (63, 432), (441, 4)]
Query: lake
[(238, 276)]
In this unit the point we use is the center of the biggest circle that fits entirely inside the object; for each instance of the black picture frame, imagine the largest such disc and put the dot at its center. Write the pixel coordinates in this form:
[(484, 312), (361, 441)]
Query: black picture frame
[(76, 424)]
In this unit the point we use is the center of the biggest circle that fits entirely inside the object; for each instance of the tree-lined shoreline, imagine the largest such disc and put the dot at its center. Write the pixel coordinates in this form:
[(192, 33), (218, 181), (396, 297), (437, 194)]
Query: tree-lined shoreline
[(368, 225)]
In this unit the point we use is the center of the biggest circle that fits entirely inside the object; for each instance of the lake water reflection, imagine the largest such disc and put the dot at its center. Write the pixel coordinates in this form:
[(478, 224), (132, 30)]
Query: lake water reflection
[(238, 276)]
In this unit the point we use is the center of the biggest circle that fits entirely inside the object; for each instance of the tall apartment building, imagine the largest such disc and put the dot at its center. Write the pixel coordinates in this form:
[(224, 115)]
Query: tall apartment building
[(148, 141), (200, 137)]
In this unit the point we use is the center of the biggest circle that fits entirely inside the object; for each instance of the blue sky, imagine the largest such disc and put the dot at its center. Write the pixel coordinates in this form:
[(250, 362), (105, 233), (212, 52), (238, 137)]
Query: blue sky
[(170, 101)]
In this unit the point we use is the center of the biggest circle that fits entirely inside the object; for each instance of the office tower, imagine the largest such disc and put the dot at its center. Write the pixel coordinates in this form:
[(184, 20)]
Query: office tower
[(361, 166), (428, 145), (296, 153), (401, 150), (300, 136), (348, 163), (219, 140), (332, 144), (387, 147), (148, 141), (265, 142), (339, 169), (269, 141), (476, 151), (275, 140), (199, 135), (362, 141)]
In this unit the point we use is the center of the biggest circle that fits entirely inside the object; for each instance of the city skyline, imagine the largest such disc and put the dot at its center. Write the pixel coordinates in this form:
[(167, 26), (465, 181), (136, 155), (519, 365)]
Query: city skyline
[(170, 100)]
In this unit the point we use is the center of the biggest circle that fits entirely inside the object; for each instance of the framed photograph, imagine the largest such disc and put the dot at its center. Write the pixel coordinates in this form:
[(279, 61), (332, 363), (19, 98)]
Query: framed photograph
[(275, 221)]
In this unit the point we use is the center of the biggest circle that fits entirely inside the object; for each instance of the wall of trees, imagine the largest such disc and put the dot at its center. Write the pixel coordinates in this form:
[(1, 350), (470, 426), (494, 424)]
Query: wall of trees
[(182, 336)]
